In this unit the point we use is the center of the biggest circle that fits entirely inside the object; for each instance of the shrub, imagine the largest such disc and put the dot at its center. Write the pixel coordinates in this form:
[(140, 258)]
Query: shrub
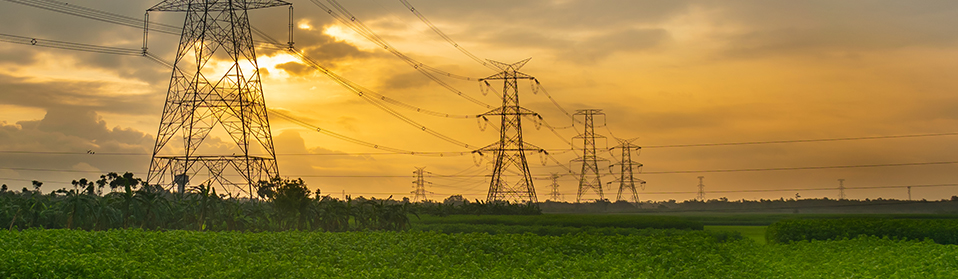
[(942, 231)]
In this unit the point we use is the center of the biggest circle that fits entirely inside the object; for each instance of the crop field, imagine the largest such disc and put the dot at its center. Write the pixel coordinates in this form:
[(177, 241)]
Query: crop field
[(134, 253)]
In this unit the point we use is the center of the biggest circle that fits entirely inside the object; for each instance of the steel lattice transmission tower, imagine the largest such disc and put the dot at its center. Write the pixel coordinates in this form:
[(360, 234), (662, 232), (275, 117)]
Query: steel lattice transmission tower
[(589, 177), (215, 89), (701, 195), (510, 150), (841, 189), (627, 167), (419, 194), (555, 195)]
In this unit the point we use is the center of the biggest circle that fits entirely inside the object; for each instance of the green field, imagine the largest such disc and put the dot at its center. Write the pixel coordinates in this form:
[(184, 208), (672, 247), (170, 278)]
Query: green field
[(191, 254), (755, 233), (541, 246), (763, 219)]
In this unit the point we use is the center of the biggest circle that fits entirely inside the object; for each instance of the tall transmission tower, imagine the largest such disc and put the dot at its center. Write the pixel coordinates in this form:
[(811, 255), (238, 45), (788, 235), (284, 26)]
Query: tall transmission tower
[(215, 89), (627, 178), (419, 194), (841, 189), (909, 192), (510, 150), (701, 196), (555, 195), (589, 177)]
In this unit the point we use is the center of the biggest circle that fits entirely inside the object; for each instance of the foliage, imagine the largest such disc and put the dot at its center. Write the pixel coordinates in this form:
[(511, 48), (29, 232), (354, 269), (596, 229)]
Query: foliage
[(943, 231), (132, 203), (135, 253), (718, 235), (573, 220), (456, 205)]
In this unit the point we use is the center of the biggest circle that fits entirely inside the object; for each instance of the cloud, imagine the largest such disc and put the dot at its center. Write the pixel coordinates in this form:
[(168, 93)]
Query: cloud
[(73, 131), (789, 27), (88, 95)]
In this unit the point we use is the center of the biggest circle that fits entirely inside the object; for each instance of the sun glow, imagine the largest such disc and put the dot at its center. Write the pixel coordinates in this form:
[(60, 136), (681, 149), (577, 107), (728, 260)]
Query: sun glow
[(344, 34), (304, 25)]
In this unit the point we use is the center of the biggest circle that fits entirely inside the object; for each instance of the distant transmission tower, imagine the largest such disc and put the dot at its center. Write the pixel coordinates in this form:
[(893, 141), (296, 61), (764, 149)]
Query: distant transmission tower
[(841, 189), (627, 178), (419, 194), (589, 177), (510, 150), (909, 192), (555, 196), (701, 196), (215, 88)]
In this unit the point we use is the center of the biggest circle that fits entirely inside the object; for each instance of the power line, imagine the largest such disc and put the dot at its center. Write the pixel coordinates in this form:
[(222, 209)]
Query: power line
[(365, 143), (800, 140), (804, 168), (350, 20), (95, 14), (444, 36), (367, 94), (23, 40), (807, 189)]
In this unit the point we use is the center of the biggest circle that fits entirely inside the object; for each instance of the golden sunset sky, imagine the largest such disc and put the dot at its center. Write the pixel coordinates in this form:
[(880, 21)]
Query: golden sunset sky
[(667, 72)]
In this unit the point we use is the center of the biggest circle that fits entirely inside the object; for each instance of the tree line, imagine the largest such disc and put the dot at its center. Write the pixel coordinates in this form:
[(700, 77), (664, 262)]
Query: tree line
[(125, 201)]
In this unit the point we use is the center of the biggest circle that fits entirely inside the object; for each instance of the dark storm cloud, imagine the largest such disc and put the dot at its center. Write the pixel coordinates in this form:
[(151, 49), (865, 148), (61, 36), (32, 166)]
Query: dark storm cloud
[(91, 95)]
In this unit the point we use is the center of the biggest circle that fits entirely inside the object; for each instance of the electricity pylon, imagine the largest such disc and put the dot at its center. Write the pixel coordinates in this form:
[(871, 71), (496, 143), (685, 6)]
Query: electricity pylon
[(555, 195), (701, 195), (589, 177), (841, 189), (627, 178), (215, 90), (510, 150), (419, 194)]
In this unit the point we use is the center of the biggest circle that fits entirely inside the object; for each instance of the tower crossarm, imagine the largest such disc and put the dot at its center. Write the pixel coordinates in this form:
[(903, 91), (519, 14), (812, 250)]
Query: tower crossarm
[(512, 75), (500, 111), (221, 5)]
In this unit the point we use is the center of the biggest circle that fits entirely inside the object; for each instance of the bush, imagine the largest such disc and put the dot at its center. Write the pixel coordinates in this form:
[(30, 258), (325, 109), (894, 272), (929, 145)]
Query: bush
[(942, 231)]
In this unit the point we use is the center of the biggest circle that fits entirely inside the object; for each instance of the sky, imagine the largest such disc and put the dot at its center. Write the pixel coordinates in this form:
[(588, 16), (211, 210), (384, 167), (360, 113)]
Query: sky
[(664, 72)]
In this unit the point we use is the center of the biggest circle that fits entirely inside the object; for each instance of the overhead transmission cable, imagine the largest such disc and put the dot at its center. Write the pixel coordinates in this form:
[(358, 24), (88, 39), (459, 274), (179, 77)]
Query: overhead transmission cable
[(552, 151), (360, 28), (23, 40), (804, 168), (801, 140), (363, 143), (133, 22), (366, 94), (446, 37), (94, 14), (571, 173), (354, 23), (68, 45), (807, 189)]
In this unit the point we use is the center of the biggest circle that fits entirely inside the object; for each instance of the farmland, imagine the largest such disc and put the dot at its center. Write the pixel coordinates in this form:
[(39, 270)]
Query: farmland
[(125, 253)]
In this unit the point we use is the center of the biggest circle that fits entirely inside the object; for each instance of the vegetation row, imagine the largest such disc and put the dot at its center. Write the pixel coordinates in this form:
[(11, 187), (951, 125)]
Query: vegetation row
[(943, 231), (572, 220), (125, 201)]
